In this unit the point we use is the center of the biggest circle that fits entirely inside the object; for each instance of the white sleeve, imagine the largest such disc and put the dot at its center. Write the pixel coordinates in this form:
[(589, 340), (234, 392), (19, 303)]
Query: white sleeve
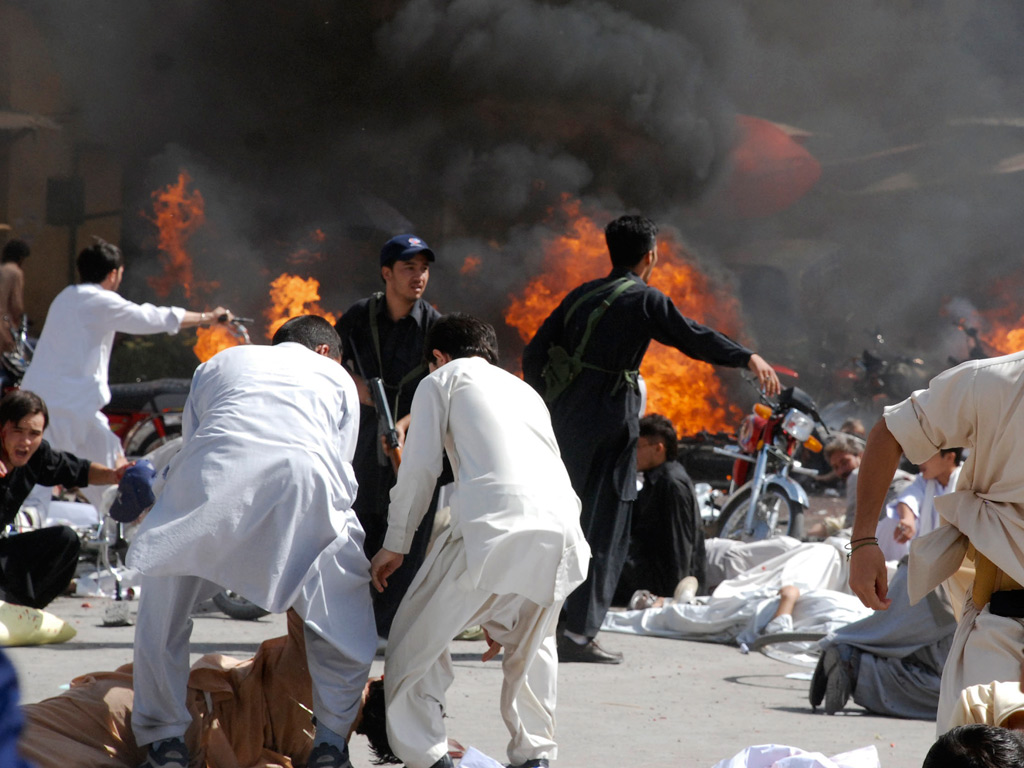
[(421, 465), (126, 316), (912, 496)]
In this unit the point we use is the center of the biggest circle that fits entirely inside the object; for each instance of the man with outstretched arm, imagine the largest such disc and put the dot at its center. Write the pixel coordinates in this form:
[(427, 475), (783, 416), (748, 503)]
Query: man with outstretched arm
[(975, 405), (585, 359), (514, 549)]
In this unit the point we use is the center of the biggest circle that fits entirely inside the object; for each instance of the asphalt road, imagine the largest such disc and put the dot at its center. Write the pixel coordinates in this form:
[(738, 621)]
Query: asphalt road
[(677, 704)]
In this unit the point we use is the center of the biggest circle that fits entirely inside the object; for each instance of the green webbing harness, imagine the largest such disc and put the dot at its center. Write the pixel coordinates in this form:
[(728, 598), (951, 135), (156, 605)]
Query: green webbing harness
[(562, 368), (410, 376)]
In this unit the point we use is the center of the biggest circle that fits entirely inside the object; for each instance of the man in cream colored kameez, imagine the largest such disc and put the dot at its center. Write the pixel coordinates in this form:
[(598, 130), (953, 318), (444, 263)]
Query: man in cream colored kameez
[(978, 405), (513, 552)]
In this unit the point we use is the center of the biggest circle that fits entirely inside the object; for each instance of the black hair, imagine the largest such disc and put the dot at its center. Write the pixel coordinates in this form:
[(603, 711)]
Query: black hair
[(310, 331), (16, 251), (976, 746), (629, 238), (19, 403), (373, 725), (958, 453), (461, 335), (657, 426), (98, 260)]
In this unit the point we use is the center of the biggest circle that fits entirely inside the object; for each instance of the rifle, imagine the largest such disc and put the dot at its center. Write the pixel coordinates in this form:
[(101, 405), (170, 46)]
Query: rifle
[(385, 421)]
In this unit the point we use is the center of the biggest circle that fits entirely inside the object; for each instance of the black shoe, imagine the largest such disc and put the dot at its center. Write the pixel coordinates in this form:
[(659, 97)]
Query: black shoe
[(818, 680), (838, 685), (541, 762), (589, 653), (444, 762), (172, 753), (325, 755)]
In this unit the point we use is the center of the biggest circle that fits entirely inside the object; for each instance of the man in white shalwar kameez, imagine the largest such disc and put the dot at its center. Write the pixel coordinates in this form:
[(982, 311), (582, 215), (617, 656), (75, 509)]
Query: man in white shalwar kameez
[(70, 363), (512, 554), (259, 501), (976, 405)]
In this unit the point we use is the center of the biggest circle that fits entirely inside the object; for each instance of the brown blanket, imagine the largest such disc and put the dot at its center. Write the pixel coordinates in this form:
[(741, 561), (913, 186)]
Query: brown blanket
[(246, 714)]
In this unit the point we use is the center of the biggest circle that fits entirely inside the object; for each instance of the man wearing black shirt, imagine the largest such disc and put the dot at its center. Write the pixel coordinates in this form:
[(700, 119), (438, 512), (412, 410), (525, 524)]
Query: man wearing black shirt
[(666, 535), (36, 566), (382, 336), (596, 417)]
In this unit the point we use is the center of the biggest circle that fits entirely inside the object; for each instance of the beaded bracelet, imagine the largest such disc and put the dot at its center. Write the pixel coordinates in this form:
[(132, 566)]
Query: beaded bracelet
[(860, 546)]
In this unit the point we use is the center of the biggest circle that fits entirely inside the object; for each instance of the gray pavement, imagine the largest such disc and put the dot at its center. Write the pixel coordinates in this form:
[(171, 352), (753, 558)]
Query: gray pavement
[(673, 703)]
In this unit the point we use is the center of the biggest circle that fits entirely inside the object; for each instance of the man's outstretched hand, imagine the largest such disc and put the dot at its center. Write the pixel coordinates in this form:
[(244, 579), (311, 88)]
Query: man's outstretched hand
[(384, 563)]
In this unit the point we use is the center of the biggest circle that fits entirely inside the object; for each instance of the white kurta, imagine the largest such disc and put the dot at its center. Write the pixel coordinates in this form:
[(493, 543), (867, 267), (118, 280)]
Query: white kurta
[(976, 405), (919, 497), (514, 550), (263, 485), (513, 502), (70, 363)]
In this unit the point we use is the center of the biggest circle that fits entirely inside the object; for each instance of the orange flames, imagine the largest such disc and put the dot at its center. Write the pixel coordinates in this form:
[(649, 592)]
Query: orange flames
[(1001, 330), (685, 390), (470, 266), (177, 214), (291, 296)]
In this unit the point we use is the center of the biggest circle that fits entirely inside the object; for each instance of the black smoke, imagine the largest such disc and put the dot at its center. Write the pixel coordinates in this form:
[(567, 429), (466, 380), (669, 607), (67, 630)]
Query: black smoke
[(468, 121)]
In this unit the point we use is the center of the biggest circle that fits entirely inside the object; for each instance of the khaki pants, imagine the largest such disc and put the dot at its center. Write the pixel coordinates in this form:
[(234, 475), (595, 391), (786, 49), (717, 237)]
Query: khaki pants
[(440, 603)]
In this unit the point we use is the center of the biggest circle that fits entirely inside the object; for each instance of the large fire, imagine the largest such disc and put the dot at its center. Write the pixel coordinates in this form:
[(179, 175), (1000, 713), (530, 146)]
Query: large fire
[(685, 390), (177, 213), (291, 296)]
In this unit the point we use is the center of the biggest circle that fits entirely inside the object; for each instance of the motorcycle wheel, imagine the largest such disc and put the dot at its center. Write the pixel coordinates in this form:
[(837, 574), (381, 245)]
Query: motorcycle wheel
[(237, 607), (774, 508)]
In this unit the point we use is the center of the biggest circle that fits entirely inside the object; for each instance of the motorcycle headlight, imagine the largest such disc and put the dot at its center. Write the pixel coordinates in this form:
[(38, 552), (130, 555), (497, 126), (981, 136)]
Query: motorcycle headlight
[(798, 425)]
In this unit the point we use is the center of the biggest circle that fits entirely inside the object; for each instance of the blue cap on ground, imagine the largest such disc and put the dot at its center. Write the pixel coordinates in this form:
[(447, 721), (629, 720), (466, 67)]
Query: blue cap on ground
[(403, 248), (134, 492)]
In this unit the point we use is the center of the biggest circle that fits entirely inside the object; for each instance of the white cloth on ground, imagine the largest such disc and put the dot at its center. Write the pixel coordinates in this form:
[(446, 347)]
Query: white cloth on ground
[(739, 608), (778, 756)]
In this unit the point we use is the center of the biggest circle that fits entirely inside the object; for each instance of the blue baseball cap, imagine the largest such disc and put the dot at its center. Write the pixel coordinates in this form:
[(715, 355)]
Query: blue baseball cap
[(134, 492), (403, 248)]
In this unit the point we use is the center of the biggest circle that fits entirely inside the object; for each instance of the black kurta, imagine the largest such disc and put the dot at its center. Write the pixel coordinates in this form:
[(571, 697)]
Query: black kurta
[(36, 566), (400, 353), (666, 535), (596, 419)]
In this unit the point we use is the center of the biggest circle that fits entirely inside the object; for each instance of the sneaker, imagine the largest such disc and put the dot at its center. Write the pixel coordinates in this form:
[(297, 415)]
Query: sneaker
[(167, 753), (326, 755), (540, 762), (686, 590), (783, 623)]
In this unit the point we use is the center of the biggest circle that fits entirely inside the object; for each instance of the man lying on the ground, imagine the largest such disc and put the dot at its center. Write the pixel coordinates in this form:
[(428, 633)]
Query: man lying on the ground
[(255, 713), (36, 566)]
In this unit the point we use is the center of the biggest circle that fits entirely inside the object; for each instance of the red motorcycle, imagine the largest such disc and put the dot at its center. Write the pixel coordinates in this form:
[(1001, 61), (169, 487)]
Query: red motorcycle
[(763, 499)]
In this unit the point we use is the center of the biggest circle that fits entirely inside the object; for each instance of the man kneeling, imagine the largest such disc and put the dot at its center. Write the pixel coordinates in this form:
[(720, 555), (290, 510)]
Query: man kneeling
[(513, 552)]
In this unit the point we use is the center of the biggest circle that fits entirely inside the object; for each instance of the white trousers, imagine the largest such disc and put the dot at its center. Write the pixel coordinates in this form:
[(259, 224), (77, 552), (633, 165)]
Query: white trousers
[(440, 603), (338, 666), (986, 648)]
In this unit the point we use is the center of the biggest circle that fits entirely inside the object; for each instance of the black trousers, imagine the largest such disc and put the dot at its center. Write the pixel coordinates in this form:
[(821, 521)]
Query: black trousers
[(605, 521), (37, 566)]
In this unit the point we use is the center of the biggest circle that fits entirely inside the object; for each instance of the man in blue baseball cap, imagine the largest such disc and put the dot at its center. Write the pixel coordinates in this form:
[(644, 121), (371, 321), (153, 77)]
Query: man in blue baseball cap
[(382, 336)]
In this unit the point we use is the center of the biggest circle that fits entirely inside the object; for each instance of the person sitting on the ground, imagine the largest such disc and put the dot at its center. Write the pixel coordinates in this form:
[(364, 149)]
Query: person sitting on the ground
[(666, 539), (255, 713), (843, 453), (977, 746), (913, 512), (36, 566), (890, 661)]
